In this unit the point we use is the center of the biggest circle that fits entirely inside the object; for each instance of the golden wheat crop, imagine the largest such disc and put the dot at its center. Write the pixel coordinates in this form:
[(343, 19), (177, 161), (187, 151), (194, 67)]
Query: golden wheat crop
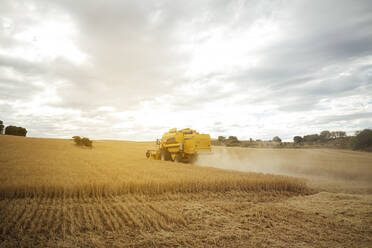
[(56, 167)]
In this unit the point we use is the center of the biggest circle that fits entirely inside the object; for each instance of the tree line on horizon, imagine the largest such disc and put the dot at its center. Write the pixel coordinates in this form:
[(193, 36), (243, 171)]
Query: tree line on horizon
[(361, 140), (21, 131), (12, 130), (323, 136)]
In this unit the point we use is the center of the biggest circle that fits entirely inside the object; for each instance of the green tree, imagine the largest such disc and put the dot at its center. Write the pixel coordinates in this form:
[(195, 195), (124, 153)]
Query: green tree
[(13, 130), (311, 138), (233, 138), (232, 141), (221, 138), (277, 139), (325, 135), (297, 139), (363, 140), (86, 142), (77, 140), (82, 141), (1, 127)]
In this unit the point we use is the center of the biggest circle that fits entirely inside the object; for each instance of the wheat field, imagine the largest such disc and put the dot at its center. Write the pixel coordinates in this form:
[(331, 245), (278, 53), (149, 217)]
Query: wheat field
[(55, 194), (47, 167)]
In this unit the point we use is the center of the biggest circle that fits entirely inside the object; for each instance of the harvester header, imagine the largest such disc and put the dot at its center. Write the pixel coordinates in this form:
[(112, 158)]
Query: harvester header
[(180, 145)]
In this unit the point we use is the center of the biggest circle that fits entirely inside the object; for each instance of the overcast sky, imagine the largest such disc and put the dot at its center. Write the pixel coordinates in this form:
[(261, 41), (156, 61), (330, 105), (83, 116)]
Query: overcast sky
[(133, 69)]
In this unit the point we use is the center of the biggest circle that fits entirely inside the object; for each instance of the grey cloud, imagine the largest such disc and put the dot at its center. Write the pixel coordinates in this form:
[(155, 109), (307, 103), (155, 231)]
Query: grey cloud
[(136, 47), (320, 34), (218, 130), (20, 65), (346, 117), (135, 52), (299, 105), (11, 90)]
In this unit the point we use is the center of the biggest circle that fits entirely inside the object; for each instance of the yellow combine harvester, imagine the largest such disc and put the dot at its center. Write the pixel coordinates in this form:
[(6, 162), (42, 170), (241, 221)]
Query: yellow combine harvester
[(180, 146)]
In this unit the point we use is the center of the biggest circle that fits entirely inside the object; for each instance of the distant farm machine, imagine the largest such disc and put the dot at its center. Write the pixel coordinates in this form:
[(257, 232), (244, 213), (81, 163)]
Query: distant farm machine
[(180, 146)]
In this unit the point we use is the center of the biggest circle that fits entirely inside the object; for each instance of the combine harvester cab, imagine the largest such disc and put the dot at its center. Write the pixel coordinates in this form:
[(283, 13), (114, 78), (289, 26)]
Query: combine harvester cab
[(180, 146)]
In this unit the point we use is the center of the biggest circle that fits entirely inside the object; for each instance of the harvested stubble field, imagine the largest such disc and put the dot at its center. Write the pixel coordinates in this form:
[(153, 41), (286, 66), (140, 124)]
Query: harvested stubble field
[(54, 194)]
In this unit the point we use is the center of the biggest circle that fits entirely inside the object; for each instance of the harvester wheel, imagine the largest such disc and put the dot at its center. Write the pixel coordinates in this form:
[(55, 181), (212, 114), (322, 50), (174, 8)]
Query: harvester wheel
[(178, 158), (165, 155), (193, 158)]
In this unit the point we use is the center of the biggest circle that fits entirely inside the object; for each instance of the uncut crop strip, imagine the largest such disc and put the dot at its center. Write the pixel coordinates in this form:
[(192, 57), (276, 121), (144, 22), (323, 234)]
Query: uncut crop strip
[(249, 182)]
